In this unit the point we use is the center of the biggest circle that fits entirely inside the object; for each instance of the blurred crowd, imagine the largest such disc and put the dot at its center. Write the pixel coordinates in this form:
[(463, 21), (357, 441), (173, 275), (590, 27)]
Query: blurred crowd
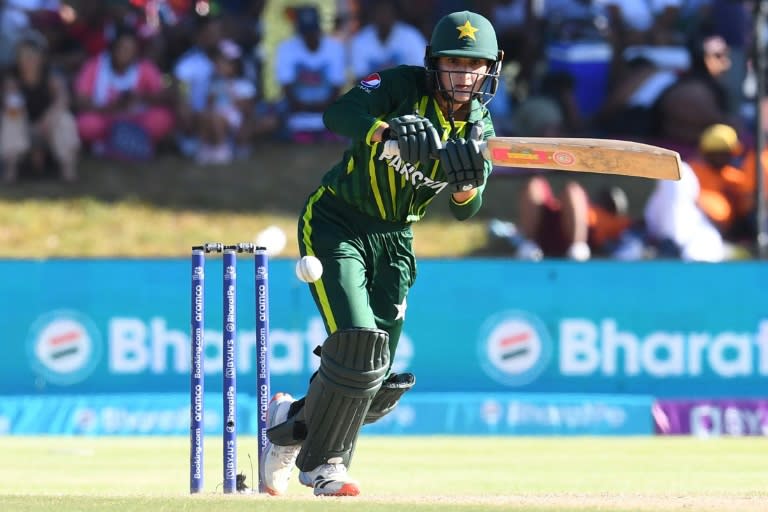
[(211, 80)]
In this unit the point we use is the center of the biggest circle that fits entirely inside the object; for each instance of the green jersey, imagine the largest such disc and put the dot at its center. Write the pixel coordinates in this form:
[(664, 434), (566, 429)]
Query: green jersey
[(389, 188)]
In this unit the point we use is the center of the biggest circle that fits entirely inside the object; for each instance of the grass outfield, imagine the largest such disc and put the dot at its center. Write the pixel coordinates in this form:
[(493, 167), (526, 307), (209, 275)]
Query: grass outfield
[(446, 474)]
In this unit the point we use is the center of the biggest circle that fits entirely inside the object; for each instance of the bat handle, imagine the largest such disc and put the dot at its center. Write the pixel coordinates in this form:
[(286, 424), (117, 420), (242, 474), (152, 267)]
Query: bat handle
[(391, 149)]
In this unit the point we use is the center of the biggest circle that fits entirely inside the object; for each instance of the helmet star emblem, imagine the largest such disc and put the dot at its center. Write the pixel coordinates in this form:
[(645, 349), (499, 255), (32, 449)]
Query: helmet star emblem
[(467, 30)]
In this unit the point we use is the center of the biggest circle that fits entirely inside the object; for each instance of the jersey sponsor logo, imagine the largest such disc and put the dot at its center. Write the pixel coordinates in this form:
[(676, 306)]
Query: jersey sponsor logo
[(372, 81), (514, 348), (64, 347), (414, 176)]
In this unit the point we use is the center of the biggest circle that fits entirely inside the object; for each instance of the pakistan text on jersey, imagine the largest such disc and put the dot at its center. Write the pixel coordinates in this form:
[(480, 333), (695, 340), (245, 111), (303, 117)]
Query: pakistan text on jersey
[(414, 176)]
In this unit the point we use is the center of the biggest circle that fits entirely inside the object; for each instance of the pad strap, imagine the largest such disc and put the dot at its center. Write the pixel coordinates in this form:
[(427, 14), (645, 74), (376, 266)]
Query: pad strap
[(389, 395)]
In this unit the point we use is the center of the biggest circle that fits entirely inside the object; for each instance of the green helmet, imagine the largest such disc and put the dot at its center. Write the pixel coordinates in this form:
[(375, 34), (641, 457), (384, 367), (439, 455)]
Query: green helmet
[(465, 34)]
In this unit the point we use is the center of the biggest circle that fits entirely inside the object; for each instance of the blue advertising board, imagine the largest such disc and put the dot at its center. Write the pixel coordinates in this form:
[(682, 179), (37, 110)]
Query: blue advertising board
[(665, 329), (417, 414)]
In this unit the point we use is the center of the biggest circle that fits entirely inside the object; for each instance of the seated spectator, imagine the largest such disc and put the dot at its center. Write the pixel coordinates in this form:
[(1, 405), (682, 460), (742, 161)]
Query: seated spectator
[(37, 125), (65, 54), (629, 108), (94, 24), (726, 197), (224, 122), (698, 99), (570, 224), (385, 42), (193, 73), (311, 70), (673, 217), (123, 101)]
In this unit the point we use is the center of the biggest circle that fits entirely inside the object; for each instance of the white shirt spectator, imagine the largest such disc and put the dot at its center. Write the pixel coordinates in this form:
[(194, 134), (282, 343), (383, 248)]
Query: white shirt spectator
[(672, 213), (639, 14), (314, 76), (404, 45)]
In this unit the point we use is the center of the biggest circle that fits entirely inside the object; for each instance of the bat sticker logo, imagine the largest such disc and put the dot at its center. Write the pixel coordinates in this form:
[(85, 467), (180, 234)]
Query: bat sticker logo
[(563, 157), (502, 155)]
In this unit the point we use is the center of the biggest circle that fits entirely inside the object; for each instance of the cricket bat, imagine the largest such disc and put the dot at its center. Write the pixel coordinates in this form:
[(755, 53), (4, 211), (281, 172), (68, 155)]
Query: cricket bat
[(605, 156)]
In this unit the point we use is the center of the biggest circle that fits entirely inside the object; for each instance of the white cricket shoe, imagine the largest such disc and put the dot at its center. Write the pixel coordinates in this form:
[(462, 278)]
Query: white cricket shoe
[(330, 479), (278, 461)]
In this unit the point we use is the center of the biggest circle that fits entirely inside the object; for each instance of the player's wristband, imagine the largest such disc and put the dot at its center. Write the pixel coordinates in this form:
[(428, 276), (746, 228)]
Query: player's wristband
[(386, 134)]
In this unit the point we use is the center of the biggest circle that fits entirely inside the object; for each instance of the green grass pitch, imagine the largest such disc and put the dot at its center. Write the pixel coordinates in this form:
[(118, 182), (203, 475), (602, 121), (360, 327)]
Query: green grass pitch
[(446, 474)]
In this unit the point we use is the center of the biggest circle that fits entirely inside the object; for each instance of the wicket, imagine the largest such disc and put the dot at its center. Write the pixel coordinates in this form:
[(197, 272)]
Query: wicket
[(229, 357)]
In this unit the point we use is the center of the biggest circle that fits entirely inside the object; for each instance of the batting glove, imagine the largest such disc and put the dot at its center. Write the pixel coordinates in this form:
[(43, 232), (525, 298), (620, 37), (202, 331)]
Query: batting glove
[(463, 164), (416, 138)]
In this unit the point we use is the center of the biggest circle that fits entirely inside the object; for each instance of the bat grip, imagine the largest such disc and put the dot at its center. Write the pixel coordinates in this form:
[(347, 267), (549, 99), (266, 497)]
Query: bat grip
[(392, 149)]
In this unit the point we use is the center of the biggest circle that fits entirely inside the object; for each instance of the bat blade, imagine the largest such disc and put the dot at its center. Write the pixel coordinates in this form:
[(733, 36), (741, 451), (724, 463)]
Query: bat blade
[(605, 156)]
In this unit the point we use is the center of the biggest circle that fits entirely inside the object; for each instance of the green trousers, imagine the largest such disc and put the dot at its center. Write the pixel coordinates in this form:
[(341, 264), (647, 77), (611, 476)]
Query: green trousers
[(368, 265)]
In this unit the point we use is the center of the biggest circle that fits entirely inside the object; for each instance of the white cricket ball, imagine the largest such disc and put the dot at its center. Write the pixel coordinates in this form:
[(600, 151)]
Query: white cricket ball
[(309, 269)]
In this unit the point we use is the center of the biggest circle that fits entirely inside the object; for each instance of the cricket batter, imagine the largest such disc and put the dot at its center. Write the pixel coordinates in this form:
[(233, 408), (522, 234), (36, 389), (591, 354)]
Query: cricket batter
[(358, 223)]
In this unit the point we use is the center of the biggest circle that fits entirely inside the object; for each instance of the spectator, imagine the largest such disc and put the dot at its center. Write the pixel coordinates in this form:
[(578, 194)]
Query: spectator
[(225, 121), (36, 121), (65, 54), (193, 73), (629, 109), (385, 42), (673, 217), (697, 99), (17, 17), (733, 21), (569, 224), (726, 197), (123, 103), (94, 24), (310, 68)]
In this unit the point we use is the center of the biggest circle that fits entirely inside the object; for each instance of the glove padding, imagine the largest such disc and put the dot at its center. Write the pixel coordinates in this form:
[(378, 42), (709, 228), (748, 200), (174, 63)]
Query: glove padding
[(463, 164), (416, 138)]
